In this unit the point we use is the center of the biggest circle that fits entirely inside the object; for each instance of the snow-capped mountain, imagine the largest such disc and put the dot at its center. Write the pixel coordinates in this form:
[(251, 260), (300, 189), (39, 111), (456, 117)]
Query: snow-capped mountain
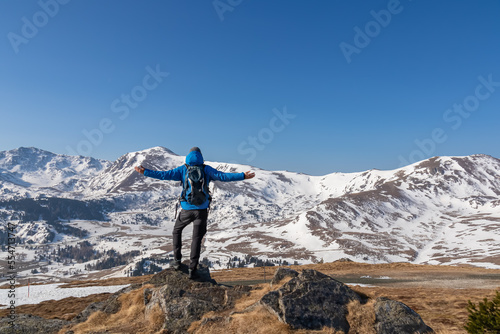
[(27, 171), (120, 176), (440, 210)]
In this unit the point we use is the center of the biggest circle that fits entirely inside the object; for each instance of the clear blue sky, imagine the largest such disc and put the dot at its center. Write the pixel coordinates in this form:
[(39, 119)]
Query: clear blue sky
[(307, 86)]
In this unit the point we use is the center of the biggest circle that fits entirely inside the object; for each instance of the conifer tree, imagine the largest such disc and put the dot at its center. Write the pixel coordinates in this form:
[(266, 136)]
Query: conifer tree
[(484, 317)]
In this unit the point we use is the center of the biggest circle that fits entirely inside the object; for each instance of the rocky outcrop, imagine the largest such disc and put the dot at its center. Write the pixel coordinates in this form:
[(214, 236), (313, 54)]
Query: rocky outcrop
[(393, 317), (183, 301), (180, 299), (311, 300)]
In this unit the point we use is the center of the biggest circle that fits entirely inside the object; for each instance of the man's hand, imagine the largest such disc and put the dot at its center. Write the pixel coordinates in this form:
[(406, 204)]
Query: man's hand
[(249, 175), (140, 169)]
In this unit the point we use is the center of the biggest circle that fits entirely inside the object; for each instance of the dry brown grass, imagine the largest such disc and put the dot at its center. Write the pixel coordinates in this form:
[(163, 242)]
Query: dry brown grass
[(458, 276), (256, 321), (361, 317), (129, 319), (107, 281), (257, 293), (445, 310), (65, 309), (438, 293)]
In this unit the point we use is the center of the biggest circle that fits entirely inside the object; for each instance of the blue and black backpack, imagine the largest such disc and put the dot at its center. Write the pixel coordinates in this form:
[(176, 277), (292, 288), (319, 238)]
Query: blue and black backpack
[(195, 190)]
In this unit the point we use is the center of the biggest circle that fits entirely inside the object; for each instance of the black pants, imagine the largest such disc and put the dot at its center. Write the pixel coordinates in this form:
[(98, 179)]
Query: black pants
[(199, 220)]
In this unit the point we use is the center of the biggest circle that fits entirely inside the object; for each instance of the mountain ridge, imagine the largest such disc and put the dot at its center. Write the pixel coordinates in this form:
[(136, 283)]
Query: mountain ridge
[(439, 210)]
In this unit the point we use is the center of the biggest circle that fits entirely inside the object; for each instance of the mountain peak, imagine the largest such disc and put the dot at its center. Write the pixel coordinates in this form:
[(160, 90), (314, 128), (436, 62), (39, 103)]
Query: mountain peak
[(27, 167), (27, 150), (161, 149)]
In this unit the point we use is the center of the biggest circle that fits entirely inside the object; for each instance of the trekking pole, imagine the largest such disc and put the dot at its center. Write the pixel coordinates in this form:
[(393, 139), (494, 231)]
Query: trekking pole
[(176, 207)]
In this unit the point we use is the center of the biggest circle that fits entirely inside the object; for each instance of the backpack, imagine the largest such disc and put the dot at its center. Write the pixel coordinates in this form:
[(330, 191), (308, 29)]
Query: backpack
[(195, 190)]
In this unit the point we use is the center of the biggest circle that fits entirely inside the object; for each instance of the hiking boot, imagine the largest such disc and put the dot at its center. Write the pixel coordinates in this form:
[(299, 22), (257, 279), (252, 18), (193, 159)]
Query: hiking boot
[(193, 274), (176, 265)]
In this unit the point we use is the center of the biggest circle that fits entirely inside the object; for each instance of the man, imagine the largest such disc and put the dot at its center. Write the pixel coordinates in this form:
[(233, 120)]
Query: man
[(195, 200)]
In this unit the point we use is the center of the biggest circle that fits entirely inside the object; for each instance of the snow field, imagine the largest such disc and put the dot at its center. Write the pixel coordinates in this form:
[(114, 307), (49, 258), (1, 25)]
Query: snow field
[(40, 293)]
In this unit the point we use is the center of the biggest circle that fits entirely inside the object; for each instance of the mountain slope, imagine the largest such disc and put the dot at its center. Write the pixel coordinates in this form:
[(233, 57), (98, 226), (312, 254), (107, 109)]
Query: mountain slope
[(440, 210), (43, 171), (120, 176)]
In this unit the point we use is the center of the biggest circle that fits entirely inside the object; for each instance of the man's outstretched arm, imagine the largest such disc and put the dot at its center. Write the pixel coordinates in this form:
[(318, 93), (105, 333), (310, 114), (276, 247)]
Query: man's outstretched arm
[(227, 177), (173, 174)]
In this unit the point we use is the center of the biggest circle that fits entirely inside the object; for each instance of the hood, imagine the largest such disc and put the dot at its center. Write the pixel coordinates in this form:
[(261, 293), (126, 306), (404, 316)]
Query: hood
[(194, 158)]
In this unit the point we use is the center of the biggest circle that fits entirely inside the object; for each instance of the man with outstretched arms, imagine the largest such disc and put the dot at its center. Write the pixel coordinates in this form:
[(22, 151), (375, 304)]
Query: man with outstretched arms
[(195, 200)]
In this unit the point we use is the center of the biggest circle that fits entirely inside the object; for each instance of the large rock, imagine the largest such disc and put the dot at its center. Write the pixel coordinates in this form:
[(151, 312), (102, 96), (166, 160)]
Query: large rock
[(183, 301), (393, 317), (311, 300), (30, 324)]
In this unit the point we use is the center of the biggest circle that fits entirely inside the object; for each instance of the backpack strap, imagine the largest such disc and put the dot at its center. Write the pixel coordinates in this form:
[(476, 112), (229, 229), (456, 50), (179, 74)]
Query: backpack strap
[(207, 189), (185, 184), (205, 186)]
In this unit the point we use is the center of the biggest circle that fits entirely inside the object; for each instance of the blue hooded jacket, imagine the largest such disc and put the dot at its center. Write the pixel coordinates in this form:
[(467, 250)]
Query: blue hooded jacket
[(194, 158)]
